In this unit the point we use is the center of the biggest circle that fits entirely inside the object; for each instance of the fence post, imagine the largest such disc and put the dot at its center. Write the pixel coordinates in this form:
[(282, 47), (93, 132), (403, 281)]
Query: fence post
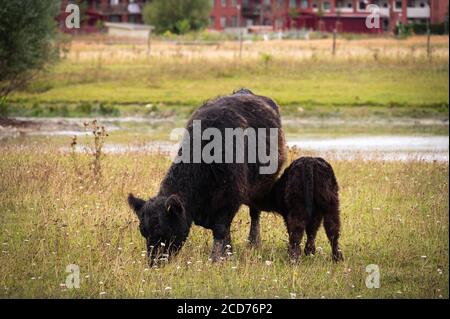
[(240, 30), (334, 41), (428, 40), (149, 42)]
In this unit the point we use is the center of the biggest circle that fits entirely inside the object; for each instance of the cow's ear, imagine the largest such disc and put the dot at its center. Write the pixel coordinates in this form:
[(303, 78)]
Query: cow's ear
[(135, 203), (174, 206)]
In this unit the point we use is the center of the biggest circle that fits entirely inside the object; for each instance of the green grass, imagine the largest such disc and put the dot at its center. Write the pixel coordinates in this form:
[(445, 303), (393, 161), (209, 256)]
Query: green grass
[(306, 83), (394, 215)]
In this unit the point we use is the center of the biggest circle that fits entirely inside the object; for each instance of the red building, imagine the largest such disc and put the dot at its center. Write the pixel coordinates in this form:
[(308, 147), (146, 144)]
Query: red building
[(325, 15), (322, 15)]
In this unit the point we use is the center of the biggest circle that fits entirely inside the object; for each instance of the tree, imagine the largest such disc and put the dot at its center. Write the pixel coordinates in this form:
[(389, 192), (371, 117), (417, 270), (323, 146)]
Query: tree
[(27, 32), (177, 16)]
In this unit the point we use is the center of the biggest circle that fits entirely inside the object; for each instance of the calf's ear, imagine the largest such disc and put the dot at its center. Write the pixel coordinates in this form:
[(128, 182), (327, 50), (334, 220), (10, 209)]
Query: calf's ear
[(135, 203), (174, 206)]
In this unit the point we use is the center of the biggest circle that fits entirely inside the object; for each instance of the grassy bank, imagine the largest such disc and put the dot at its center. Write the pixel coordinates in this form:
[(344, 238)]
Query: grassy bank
[(54, 214)]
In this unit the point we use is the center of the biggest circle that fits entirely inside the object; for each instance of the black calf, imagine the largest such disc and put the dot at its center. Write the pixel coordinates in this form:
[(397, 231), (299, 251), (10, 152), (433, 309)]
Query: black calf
[(305, 195)]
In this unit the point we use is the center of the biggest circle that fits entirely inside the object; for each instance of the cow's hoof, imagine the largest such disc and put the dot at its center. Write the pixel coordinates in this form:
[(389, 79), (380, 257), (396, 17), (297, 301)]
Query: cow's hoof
[(294, 255), (217, 258), (337, 256), (254, 243), (310, 250)]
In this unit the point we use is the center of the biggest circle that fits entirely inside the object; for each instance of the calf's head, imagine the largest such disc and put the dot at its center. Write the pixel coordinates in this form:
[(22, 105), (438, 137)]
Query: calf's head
[(162, 222)]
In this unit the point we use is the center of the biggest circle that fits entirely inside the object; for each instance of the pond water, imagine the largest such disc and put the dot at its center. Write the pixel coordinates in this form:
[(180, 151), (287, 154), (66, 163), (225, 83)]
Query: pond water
[(384, 147), (375, 143), (389, 148)]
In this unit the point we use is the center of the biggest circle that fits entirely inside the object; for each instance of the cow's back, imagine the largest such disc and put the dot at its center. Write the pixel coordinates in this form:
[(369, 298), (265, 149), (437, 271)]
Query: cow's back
[(214, 189), (245, 111)]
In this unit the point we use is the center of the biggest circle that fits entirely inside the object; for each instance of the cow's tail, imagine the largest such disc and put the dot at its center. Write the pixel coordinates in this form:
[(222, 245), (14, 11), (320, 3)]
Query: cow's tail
[(308, 189)]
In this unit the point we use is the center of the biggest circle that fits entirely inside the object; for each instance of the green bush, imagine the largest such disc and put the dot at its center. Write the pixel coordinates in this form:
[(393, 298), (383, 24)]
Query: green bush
[(177, 16), (421, 28), (110, 110), (439, 28), (84, 108), (36, 110), (404, 30), (3, 107), (27, 32)]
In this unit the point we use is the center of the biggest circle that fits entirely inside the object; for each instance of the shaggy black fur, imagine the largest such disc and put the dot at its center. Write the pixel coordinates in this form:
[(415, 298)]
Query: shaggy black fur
[(306, 194), (209, 195)]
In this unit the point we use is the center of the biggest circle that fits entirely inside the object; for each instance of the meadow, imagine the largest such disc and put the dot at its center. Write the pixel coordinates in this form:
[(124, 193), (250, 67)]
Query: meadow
[(55, 213), (60, 207), (108, 78)]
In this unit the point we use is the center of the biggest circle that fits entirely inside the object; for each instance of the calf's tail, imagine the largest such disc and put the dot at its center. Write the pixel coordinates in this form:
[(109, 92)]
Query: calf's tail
[(308, 189)]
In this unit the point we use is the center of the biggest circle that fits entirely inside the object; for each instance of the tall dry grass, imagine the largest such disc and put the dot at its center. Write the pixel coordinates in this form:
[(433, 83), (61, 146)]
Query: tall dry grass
[(378, 49), (394, 215)]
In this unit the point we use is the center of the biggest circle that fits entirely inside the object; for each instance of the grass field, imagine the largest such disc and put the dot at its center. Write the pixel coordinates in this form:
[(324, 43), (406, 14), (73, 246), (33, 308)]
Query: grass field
[(394, 215), (54, 212), (121, 79)]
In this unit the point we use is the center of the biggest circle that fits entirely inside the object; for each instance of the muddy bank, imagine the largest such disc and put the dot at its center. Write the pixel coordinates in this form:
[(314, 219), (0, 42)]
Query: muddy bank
[(10, 127), (53, 126), (60, 126)]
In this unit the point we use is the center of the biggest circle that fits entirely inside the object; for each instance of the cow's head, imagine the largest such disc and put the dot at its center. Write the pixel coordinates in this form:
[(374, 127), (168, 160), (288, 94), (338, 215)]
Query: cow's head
[(162, 222)]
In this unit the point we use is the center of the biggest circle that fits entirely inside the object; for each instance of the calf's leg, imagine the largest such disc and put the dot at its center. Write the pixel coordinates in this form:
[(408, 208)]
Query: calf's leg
[(311, 231), (332, 226), (295, 222)]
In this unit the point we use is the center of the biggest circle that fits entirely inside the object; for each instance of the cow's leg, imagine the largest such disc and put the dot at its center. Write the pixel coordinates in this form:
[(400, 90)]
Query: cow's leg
[(295, 222), (332, 226), (311, 231), (222, 242), (254, 238), (228, 249)]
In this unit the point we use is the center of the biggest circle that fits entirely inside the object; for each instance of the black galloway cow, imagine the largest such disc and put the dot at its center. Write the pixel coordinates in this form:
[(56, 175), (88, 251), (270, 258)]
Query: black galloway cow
[(209, 193)]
